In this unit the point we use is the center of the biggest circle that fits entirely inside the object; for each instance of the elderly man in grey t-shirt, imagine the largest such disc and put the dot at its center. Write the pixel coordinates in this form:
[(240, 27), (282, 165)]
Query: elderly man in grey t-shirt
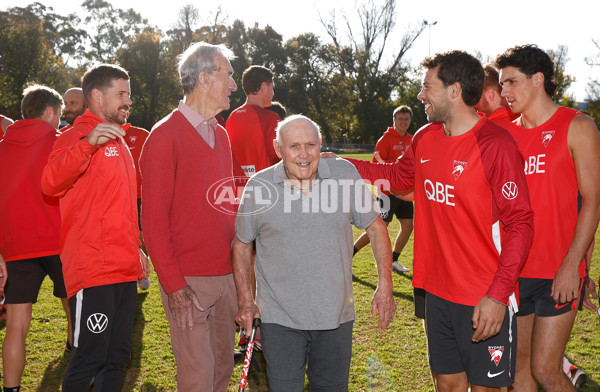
[(300, 212)]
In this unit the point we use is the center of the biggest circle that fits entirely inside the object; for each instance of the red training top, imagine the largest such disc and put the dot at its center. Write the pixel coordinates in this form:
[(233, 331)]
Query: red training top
[(96, 186), (464, 186), (503, 116), (29, 220), (135, 139), (186, 234), (251, 131), (391, 146), (554, 191)]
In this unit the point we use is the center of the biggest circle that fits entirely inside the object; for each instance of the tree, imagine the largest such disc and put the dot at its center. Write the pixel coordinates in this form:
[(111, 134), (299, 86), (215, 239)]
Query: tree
[(371, 72), (112, 27), (182, 34), (564, 80), (314, 86), (153, 76), (593, 88), (27, 28)]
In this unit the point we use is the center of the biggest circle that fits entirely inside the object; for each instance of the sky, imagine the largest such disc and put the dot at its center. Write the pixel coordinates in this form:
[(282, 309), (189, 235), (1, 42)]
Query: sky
[(460, 24)]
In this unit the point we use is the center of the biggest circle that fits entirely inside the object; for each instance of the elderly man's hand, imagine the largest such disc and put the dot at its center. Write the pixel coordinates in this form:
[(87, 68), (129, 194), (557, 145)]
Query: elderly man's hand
[(246, 315), (328, 154), (384, 304), (181, 303)]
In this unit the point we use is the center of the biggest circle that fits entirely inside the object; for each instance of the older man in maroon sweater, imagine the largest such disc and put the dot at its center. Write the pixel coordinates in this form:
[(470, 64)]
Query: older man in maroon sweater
[(186, 158)]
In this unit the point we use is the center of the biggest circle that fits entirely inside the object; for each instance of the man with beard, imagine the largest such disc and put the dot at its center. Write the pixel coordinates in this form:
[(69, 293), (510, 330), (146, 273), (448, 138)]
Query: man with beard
[(75, 106), (468, 177), (92, 172)]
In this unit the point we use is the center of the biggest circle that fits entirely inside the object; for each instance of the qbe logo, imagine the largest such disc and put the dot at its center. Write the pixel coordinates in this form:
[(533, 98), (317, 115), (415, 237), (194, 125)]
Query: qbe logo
[(97, 322), (510, 190), (111, 152), (225, 197)]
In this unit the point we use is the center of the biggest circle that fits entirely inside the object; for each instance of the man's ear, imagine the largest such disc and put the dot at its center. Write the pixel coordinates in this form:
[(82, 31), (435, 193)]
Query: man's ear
[(97, 95), (538, 80), (203, 79), (277, 148), (455, 90)]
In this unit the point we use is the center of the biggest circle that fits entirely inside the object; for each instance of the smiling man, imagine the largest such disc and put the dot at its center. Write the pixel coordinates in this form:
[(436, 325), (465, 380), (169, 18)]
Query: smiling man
[(92, 173), (188, 239), (304, 284), (468, 177), (561, 147)]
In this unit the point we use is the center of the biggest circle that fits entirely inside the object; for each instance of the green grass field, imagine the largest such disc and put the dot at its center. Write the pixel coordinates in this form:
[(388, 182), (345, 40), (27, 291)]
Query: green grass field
[(395, 360)]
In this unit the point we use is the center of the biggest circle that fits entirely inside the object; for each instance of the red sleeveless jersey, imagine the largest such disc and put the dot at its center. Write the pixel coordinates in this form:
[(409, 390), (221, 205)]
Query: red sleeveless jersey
[(251, 132), (464, 186), (550, 173)]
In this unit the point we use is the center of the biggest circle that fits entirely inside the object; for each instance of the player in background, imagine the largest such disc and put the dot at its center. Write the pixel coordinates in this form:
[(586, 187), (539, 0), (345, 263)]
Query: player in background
[(390, 147)]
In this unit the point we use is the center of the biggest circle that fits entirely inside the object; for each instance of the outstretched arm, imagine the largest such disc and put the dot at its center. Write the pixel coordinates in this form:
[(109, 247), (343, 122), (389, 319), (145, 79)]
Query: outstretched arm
[(383, 298)]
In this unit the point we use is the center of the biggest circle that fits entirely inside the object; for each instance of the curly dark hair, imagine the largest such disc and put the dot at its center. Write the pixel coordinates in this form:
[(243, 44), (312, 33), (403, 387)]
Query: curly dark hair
[(529, 59), (459, 66)]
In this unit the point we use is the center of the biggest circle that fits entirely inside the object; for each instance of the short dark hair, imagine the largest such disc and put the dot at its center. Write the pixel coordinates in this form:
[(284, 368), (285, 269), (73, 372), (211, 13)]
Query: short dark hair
[(277, 108), (403, 109), (101, 77), (254, 76), (459, 66), (38, 98), (529, 59)]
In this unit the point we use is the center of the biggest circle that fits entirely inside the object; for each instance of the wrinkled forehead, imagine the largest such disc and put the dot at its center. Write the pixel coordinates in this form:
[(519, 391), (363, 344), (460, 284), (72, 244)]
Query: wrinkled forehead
[(299, 131)]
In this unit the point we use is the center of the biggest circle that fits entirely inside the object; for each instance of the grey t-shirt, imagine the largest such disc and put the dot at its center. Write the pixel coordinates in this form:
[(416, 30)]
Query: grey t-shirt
[(304, 243)]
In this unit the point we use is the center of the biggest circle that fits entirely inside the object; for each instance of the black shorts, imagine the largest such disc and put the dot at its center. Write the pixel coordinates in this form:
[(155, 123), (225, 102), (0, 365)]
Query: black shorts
[(419, 301), (489, 363), (391, 205), (25, 278), (534, 297)]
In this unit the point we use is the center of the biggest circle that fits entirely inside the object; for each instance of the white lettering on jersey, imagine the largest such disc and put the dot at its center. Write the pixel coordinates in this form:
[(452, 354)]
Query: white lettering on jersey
[(535, 164), (546, 137), (510, 190), (111, 152), (439, 193)]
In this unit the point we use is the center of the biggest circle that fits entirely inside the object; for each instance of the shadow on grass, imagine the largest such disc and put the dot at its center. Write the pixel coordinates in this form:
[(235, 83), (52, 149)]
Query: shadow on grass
[(132, 371), (53, 374), (590, 386), (372, 286)]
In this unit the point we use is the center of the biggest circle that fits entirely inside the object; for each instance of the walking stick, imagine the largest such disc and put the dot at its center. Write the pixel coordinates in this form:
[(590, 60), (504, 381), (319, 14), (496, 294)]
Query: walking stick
[(249, 349)]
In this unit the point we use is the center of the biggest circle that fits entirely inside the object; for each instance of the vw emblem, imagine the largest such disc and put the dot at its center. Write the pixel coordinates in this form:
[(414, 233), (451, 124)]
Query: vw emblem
[(97, 322)]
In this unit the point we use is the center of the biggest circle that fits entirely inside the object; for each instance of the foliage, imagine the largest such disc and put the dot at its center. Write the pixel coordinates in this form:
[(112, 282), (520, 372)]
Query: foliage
[(43, 33), (564, 80)]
